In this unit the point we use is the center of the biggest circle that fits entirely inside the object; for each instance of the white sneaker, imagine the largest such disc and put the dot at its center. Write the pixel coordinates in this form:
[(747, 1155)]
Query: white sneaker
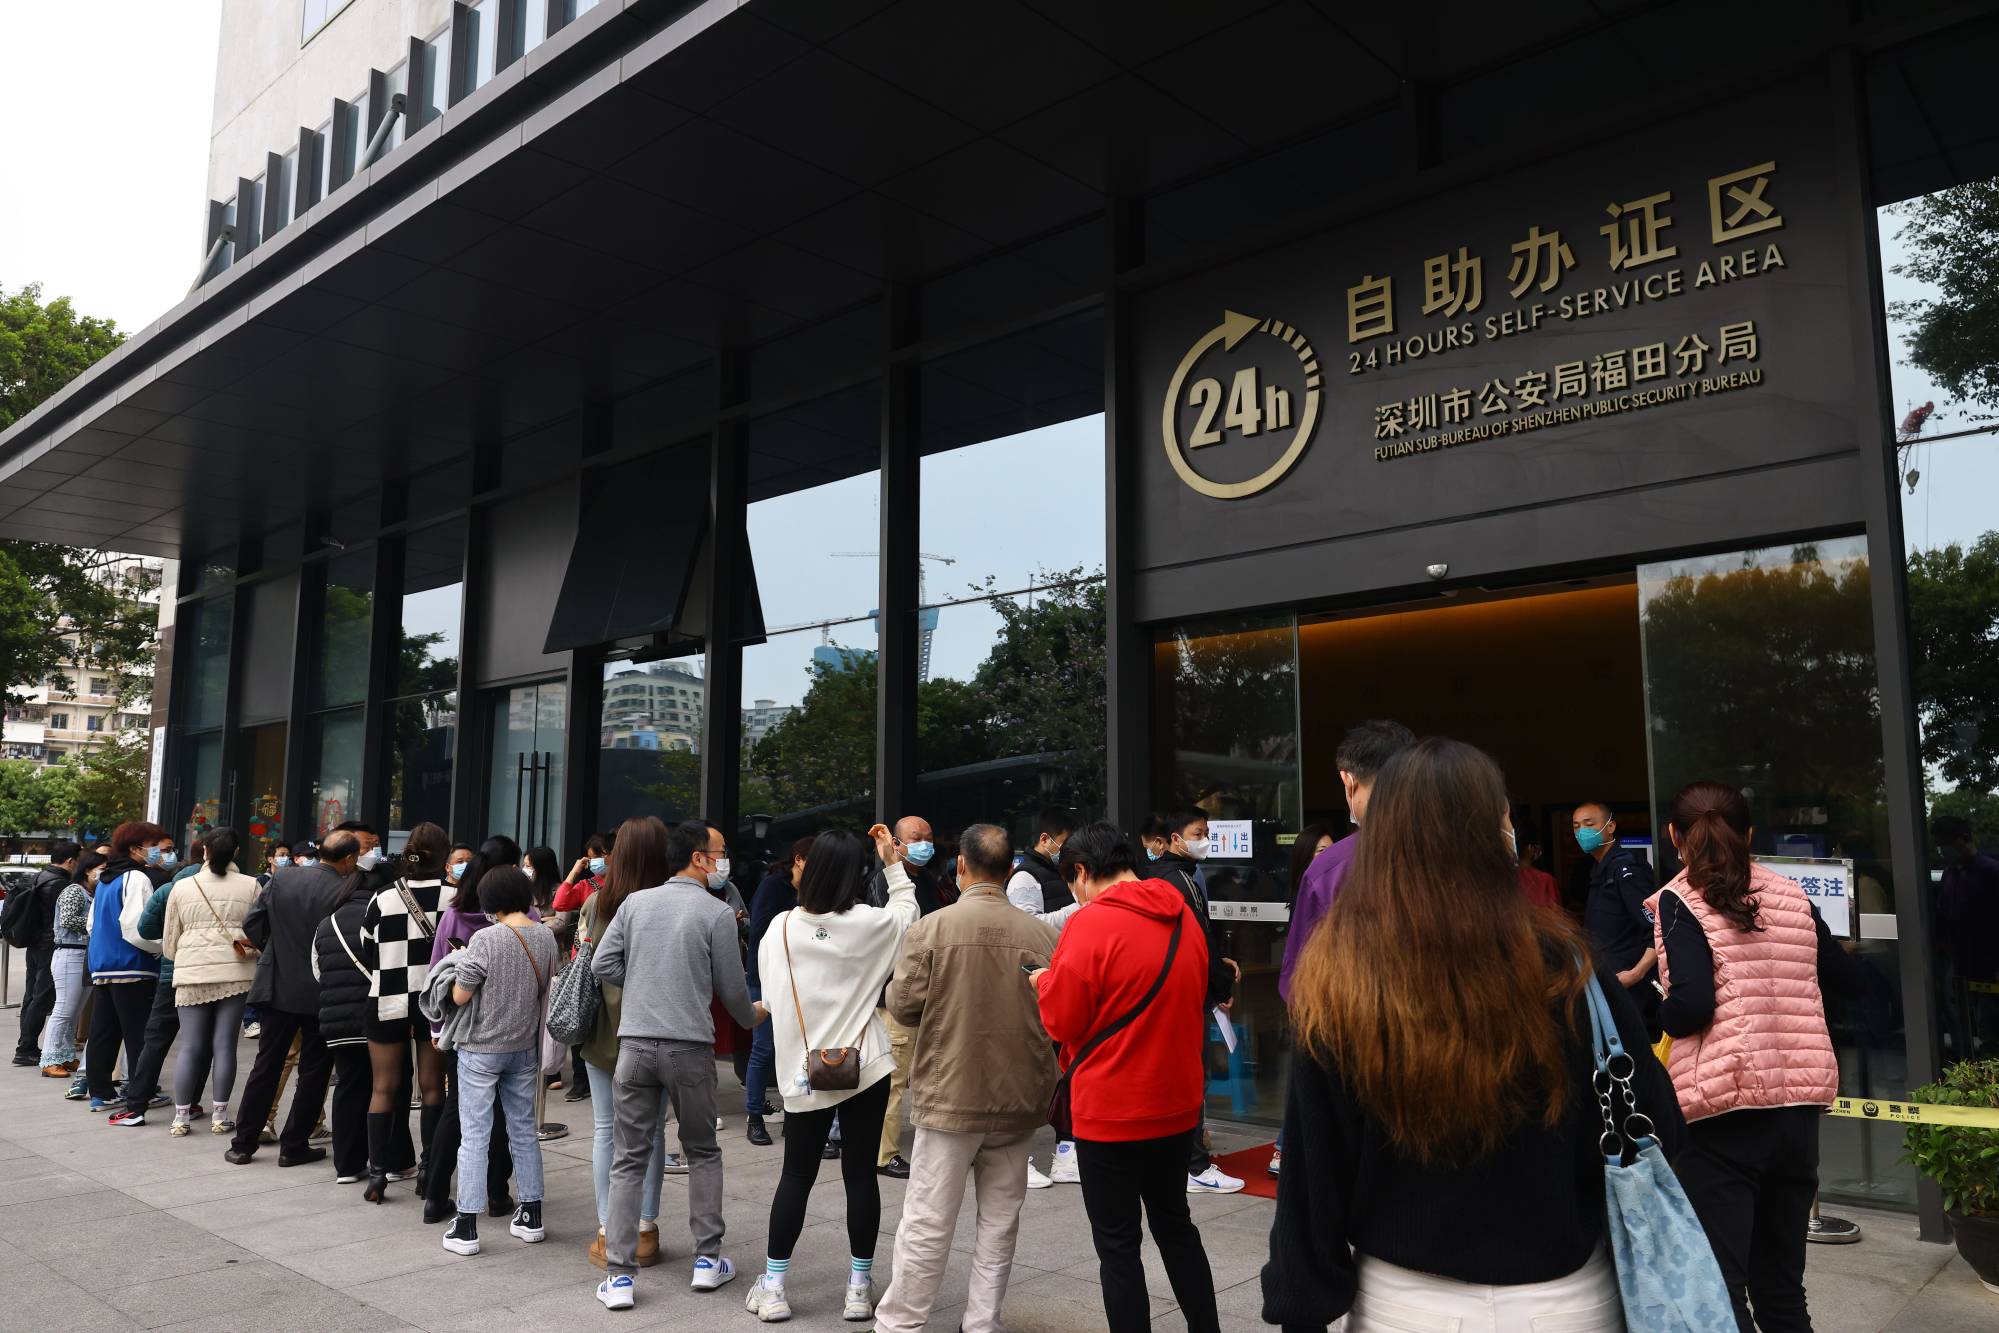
[(1064, 1170), (180, 1125), (718, 1124), (616, 1292), (1275, 1161), (1213, 1181), (767, 1302), (860, 1301), (1035, 1180), (671, 1165), (712, 1273)]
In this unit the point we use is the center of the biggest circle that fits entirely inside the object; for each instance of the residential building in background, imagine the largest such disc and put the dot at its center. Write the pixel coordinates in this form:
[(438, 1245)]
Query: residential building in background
[(653, 707), (82, 707)]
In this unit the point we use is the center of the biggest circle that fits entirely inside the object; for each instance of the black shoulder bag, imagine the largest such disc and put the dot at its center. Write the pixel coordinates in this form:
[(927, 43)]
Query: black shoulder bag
[(1058, 1105)]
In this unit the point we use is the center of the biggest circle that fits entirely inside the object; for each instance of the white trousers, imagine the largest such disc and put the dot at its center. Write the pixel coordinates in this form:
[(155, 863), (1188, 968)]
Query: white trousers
[(1405, 1301)]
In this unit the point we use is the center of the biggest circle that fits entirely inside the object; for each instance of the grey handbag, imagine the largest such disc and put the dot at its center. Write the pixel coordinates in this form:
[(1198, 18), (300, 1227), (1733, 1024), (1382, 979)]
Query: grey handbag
[(572, 1004)]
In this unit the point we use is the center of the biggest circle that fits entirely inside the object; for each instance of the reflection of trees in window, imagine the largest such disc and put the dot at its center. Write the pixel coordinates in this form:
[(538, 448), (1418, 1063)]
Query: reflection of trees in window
[(343, 644), (1954, 649), (1232, 696), (1763, 676), (1039, 692)]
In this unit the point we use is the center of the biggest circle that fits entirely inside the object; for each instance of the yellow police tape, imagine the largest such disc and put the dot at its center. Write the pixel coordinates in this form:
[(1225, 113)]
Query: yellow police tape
[(1915, 1113), (1983, 987)]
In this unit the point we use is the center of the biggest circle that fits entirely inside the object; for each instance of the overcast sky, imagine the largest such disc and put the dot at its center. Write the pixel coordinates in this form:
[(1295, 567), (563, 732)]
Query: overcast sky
[(106, 107)]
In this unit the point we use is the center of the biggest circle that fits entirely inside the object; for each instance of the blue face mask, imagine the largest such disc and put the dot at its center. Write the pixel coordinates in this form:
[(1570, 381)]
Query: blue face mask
[(1151, 855), (596, 865), (152, 856), (282, 861), (454, 870), (308, 860), (1589, 839), (920, 852)]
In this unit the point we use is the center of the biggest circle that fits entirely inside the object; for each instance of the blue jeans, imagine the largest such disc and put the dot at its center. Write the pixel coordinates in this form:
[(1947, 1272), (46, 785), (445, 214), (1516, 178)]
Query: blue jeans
[(510, 1076), (763, 1063), (604, 1109)]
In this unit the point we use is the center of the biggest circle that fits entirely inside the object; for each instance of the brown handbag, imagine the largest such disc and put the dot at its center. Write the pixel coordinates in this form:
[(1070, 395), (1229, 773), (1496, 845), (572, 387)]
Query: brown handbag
[(827, 1068)]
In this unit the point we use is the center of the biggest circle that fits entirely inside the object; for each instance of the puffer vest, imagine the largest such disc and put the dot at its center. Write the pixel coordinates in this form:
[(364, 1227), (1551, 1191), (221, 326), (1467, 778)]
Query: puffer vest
[(1768, 1044)]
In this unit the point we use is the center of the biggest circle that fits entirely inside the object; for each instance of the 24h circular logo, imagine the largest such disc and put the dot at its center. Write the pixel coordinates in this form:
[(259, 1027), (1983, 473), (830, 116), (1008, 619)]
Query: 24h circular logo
[(1252, 408)]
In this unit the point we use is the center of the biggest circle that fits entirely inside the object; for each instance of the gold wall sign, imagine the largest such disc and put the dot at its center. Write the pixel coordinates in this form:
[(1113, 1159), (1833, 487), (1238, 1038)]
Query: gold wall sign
[(1247, 409)]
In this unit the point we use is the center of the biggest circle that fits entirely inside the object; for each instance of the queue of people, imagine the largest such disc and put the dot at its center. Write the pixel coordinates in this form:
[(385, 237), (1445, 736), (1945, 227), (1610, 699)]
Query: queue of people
[(1442, 1149)]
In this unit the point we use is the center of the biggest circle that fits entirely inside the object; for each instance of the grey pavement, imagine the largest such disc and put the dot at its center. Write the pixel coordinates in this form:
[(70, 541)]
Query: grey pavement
[(120, 1229)]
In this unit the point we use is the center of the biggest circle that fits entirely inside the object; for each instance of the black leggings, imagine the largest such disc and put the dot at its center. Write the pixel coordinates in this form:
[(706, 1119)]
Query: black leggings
[(804, 1139), (1751, 1175), (117, 1019)]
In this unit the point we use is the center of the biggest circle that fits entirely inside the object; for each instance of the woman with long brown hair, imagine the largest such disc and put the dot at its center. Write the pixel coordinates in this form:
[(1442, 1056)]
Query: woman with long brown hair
[(1441, 1131), (637, 862), (1741, 953)]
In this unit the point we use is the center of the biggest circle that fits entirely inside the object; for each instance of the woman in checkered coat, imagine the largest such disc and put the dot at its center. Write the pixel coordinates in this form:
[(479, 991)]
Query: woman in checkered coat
[(396, 934)]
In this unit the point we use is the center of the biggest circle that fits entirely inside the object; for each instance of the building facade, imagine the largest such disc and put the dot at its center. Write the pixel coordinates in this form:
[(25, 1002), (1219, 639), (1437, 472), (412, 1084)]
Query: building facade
[(1246, 372)]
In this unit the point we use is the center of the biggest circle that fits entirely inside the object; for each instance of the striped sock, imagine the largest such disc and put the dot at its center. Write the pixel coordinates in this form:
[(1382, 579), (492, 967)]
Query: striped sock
[(774, 1271), (863, 1270)]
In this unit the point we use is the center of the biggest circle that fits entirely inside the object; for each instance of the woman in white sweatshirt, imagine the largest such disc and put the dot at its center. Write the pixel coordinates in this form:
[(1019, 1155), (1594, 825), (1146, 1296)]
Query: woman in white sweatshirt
[(824, 964), (214, 965)]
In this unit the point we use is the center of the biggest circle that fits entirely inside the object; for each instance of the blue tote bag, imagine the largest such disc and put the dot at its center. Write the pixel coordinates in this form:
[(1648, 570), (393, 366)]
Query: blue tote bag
[(1666, 1273)]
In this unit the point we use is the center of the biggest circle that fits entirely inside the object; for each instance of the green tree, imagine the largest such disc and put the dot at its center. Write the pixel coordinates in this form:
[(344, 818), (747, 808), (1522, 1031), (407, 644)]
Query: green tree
[(822, 753), (1764, 676), (1952, 236), (1954, 649), (1980, 809), (111, 782), (43, 347), (20, 810), (1042, 685)]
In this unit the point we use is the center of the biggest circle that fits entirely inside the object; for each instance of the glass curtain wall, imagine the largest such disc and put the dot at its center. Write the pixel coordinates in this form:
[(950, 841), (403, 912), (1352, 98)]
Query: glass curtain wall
[(649, 740), (195, 802), (423, 714), (1226, 743), (334, 726), (809, 686), (1011, 634), (1943, 343), (527, 725)]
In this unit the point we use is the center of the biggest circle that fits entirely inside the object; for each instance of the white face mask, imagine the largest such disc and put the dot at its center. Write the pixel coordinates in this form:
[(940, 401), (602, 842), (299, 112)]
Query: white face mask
[(1197, 848), (529, 872), (370, 858), (720, 877), (1512, 845)]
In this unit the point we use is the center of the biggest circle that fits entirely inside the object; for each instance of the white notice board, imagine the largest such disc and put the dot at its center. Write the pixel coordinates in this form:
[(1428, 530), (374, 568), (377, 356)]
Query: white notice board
[(1828, 883), (1231, 839)]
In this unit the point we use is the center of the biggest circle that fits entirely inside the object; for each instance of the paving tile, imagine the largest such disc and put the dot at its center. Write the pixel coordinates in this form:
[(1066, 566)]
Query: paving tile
[(118, 1251), (246, 1290), (28, 1217)]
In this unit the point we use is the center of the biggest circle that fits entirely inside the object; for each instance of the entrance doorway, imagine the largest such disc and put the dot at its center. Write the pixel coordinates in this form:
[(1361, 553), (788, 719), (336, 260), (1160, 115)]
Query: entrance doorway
[(1753, 667), (526, 728), (1549, 682)]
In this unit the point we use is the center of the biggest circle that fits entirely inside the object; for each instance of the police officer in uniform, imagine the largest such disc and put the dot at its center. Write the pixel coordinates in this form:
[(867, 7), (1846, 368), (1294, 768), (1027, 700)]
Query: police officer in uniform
[(1619, 926)]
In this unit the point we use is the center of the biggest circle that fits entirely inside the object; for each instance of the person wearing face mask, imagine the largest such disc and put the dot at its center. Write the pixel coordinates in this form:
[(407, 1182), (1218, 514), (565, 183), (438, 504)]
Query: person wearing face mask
[(1035, 886), (1616, 918), (280, 857), (919, 848), (306, 854), (778, 892), (454, 869), (1187, 846), (124, 967), (583, 880), (674, 949), (376, 872), (142, 1081)]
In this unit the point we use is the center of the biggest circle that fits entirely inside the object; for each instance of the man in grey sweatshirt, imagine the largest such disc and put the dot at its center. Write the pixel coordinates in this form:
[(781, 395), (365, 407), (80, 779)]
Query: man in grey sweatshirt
[(672, 949)]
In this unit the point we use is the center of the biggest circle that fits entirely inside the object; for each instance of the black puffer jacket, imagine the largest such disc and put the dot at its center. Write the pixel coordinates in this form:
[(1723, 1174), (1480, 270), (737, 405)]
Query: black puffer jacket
[(343, 986)]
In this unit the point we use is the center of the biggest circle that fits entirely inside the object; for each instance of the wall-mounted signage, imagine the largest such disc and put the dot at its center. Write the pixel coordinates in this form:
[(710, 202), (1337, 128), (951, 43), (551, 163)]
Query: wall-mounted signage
[(1660, 307)]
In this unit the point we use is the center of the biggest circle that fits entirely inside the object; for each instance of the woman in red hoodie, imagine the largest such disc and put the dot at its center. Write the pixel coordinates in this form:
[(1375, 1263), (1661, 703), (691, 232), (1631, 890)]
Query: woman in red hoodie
[(1134, 959)]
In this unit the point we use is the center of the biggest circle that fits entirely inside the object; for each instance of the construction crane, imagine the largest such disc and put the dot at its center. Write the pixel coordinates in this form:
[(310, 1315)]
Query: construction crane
[(926, 621)]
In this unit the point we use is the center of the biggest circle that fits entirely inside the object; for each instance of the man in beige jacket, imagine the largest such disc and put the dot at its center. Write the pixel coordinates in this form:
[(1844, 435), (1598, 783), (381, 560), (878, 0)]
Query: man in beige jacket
[(979, 1085)]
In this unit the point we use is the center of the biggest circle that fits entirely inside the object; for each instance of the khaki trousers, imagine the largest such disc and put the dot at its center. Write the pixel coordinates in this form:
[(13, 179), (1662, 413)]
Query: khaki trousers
[(902, 1045), (938, 1166)]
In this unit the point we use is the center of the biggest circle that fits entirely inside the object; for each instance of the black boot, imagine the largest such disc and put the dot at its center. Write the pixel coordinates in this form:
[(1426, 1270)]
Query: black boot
[(378, 1157), (427, 1126)]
